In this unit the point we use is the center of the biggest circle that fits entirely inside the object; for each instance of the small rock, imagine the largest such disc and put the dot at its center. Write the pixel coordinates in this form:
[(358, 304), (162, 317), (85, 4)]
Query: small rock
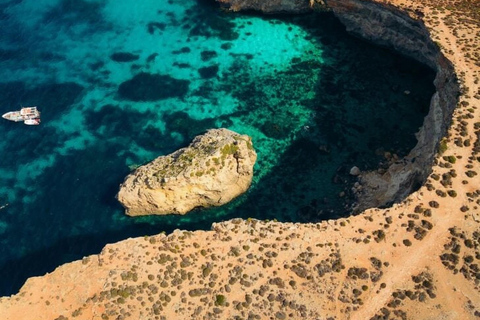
[(355, 171)]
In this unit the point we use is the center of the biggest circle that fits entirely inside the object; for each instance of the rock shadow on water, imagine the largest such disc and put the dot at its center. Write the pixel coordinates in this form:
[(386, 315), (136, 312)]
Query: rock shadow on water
[(153, 87), (303, 180)]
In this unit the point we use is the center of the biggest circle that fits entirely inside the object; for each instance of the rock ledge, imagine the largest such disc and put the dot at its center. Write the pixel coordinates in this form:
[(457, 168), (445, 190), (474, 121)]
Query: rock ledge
[(214, 169)]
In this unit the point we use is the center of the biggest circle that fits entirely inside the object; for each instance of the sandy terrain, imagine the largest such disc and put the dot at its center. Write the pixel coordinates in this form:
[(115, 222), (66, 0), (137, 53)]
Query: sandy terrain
[(419, 259)]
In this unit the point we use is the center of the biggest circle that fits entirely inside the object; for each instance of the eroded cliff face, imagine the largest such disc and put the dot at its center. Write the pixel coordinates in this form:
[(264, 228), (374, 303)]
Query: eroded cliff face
[(387, 26), (272, 6)]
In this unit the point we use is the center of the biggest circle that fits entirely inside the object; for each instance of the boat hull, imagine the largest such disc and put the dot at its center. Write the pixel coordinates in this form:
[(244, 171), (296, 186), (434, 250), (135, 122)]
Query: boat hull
[(32, 122), (29, 115), (13, 116)]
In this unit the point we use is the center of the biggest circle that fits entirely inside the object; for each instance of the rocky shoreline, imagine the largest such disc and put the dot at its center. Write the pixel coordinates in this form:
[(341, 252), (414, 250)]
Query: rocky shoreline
[(417, 259)]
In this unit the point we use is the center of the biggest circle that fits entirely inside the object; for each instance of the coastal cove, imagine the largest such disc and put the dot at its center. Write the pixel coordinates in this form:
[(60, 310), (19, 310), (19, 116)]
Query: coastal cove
[(415, 259), (315, 100)]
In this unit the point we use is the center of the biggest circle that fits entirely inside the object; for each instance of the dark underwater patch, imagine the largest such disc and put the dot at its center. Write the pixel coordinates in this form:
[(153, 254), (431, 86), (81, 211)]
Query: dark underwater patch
[(275, 130), (182, 50), (13, 54), (96, 65), (182, 65), (124, 57), (226, 46), (156, 26), (116, 122), (208, 72), (51, 98), (26, 54), (123, 124), (208, 55), (10, 93), (207, 21), (152, 87), (152, 57), (70, 13)]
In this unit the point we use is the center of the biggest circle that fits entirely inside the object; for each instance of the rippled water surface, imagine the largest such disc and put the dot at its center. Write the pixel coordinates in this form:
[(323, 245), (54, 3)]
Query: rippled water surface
[(122, 82)]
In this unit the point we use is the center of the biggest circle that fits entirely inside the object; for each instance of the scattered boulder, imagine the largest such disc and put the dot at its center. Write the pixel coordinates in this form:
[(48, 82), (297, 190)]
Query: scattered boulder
[(214, 169), (355, 171)]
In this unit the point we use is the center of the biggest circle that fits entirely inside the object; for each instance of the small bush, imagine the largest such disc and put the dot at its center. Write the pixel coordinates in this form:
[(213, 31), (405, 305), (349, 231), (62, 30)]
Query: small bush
[(443, 146), (220, 300)]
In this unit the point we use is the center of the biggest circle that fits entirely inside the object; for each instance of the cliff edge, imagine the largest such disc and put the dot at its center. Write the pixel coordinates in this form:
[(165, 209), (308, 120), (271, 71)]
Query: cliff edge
[(214, 169)]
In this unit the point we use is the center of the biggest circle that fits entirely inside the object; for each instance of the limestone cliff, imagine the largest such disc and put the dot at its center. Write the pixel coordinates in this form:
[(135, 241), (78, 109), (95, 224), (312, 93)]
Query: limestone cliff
[(387, 26), (215, 168), (273, 6)]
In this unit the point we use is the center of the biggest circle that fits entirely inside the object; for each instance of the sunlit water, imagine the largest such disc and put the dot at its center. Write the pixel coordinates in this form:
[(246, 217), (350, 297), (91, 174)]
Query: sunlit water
[(122, 82)]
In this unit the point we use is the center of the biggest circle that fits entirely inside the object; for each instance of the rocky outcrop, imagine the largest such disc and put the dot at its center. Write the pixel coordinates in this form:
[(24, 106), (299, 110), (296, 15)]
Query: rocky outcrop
[(214, 169), (391, 27)]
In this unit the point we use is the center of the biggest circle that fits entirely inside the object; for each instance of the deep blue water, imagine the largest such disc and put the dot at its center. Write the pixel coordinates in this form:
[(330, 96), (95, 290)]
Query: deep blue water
[(120, 83)]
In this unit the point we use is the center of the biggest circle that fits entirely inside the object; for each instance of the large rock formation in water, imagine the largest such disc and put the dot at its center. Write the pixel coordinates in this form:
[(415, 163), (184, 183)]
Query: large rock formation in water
[(215, 168)]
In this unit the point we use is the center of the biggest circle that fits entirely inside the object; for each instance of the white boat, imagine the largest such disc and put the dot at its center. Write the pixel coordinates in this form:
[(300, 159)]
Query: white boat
[(32, 122), (29, 116)]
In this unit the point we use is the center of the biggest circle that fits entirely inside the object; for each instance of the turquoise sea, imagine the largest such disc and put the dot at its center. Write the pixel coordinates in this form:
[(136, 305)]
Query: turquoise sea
[(122, 82)]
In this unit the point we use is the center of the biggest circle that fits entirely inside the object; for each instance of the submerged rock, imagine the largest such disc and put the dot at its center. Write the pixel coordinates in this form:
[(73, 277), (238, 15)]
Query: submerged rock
[(214, 169), (355, 171), (124, 57), (152, 87)]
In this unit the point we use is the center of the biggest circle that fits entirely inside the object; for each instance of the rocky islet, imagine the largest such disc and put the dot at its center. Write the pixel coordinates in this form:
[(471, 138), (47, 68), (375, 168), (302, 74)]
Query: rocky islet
[(214, 169)]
